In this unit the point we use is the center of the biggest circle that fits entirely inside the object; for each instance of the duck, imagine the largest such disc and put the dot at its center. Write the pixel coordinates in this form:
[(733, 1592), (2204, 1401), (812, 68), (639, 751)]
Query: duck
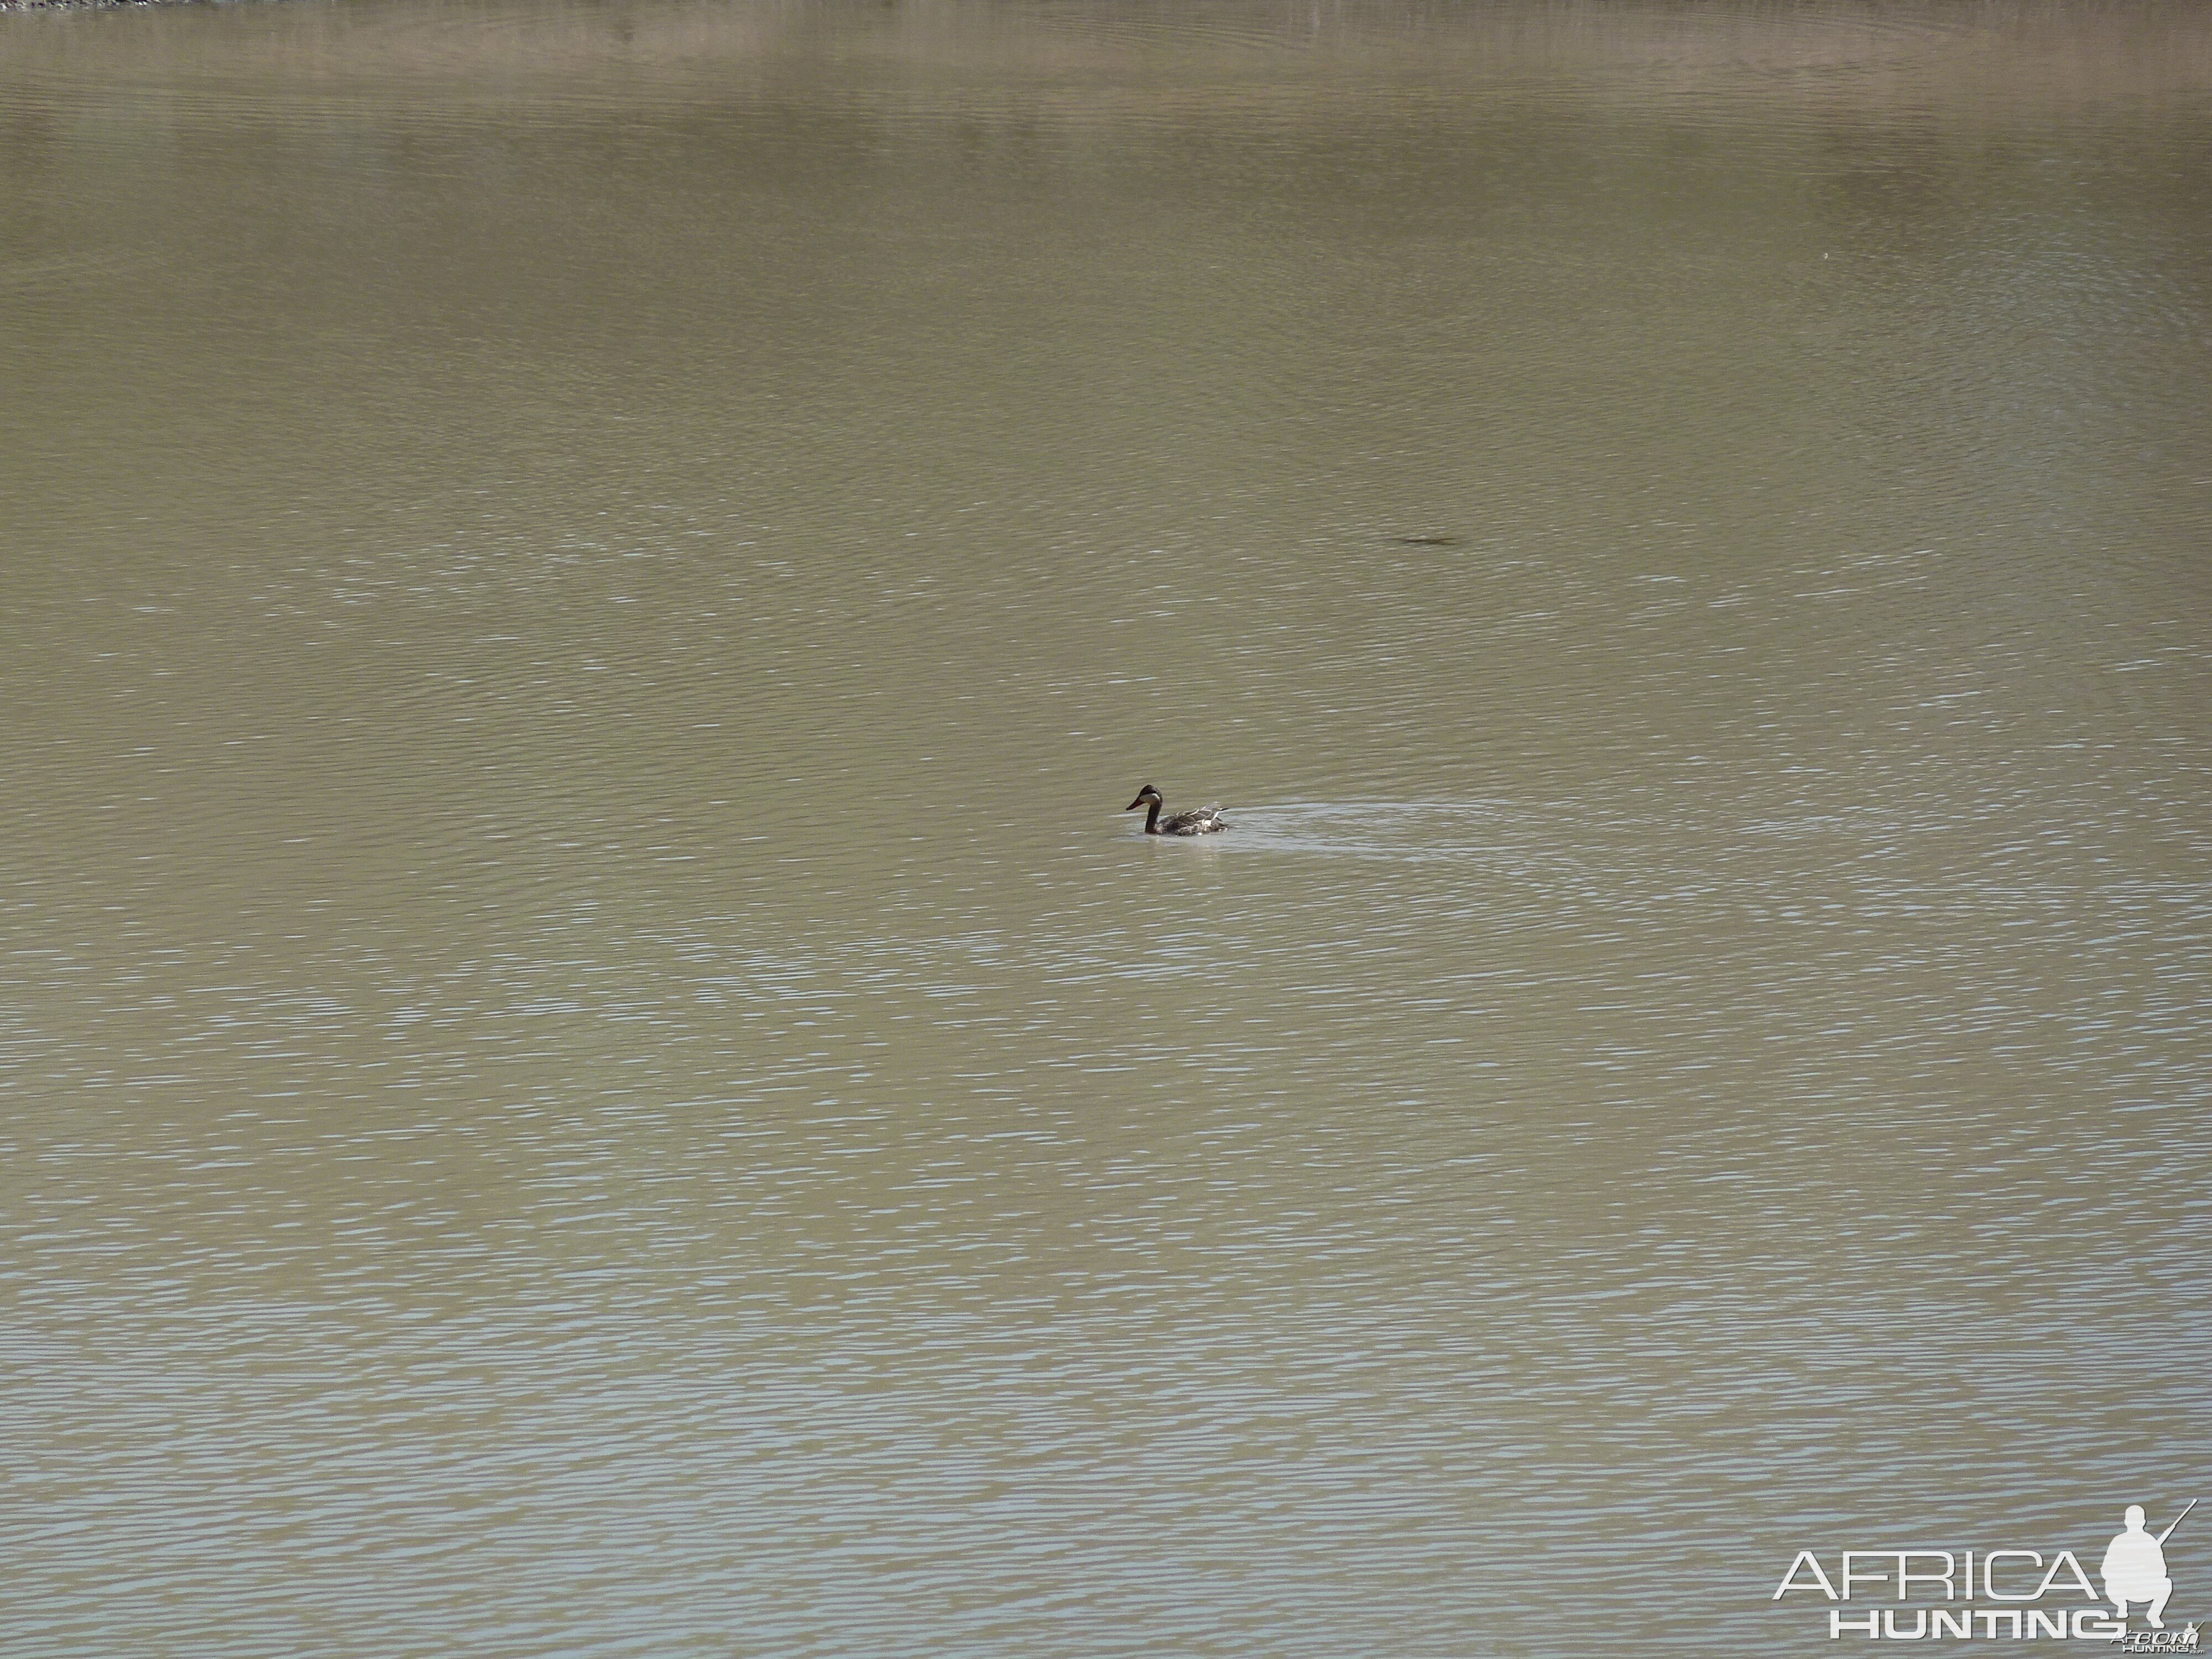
[(1198, 820)]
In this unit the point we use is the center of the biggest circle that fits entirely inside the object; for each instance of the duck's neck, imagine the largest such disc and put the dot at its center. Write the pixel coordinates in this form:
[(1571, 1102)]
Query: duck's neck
[(1152, 820)]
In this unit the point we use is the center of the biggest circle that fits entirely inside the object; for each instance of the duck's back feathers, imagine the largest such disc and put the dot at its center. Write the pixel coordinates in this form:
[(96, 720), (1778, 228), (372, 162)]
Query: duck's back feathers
[(1199, 821)]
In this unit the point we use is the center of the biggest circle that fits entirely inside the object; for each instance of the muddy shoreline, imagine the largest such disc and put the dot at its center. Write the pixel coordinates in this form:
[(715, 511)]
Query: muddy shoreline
[(13, 8)]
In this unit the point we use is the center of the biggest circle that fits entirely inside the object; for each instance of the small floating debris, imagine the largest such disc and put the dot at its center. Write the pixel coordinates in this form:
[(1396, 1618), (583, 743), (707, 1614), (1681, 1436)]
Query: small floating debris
[(1427, 541)]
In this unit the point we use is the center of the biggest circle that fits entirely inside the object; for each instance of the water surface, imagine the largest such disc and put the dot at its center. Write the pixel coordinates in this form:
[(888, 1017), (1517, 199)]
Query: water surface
[(591, 1067)]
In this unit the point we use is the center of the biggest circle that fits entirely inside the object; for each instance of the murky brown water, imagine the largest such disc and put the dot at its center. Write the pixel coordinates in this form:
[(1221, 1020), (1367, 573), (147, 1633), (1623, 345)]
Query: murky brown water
[(591, 1067)]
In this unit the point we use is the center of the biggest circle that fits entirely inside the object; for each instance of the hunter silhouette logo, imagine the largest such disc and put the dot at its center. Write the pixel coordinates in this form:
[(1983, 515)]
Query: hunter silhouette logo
[(2018, 1594), (2134, 1567)]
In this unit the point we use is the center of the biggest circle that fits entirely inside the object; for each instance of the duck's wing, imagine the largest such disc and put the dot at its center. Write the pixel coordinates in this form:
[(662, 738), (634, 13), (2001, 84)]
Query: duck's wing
[(1198, 820)]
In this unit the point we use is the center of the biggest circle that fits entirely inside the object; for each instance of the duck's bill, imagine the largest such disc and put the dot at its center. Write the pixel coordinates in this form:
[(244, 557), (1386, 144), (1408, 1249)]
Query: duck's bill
[(1134, 805)]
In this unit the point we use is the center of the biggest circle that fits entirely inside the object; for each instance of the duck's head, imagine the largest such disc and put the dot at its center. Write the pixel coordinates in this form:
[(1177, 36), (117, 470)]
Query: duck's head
[(1147, 796)]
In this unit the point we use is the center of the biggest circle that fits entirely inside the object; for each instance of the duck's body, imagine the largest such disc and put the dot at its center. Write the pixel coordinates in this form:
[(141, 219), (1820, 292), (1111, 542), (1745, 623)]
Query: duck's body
[(1198, 820)]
